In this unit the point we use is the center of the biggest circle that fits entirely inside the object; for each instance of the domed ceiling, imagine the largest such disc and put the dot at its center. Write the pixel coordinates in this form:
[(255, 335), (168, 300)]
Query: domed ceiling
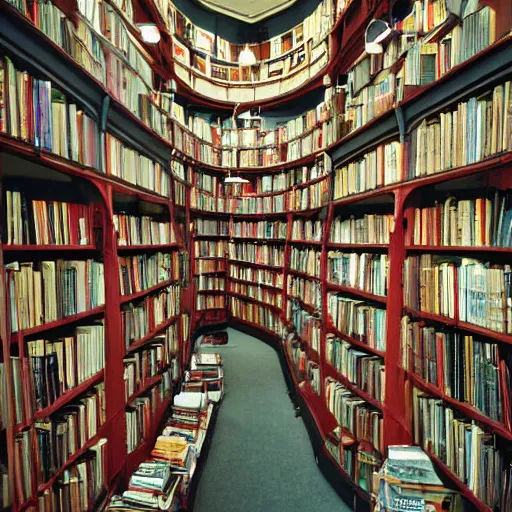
[(250, 11)]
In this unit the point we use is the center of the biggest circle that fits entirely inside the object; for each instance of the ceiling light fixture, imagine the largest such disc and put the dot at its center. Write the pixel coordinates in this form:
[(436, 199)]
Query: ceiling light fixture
[(234, 179), (149, 33), (376, 32), (247, 57)]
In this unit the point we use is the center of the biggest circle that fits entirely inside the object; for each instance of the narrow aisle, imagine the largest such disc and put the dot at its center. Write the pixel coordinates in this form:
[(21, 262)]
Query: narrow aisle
[(260, 459)]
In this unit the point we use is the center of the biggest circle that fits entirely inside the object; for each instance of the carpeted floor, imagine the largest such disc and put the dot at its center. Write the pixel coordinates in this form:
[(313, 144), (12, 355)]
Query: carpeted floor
[(260, 459)]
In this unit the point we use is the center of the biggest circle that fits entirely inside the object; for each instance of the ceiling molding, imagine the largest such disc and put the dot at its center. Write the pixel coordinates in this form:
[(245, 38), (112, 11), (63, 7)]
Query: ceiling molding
[(249, 11)]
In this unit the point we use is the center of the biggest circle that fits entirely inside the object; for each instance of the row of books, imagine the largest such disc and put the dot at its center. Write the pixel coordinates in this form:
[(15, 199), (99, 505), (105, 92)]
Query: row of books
[(205, 301), (135, 168), (155, 118), (306, 59), (211, 227), (163, 480), (359, 320), (269, 296), (355, 416), (264, 229), (480, 221), (308, 198), (64, 433), (462, 367), (470, 453), (477, 292), (134, 230), (209, 266), (375, 169), (139, 319), (210, 248), (210, 283), (259, 254), (78, 487), (140, 413), (39, 114), (412, 58), (297, 356), (477, 129), (364, 370), (207, 182), (358, 462), (314, 26), (207, 202), (47, 291), (431, 56), (305, 260), (256, 275), (143, 271), (369, 229), (363, 271), (309, 327), (256, 314), (281, 181), (307, 230), (41, 222), (180, 193), (141, 365), (57, 366), (306, 290), (253, 205)]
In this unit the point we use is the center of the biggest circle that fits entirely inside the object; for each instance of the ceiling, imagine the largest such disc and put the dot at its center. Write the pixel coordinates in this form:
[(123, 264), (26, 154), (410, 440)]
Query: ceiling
[(250, 11)]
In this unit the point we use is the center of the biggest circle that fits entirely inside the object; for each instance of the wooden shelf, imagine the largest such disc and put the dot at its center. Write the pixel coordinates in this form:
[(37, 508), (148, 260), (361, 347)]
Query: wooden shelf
[(258, 265), (359, 344), (148, 291), (71, 319), (263, 240), (465, 326), (158, 247), (306, 242), (67, 397), (357, 247), (255, 283), (137, 344), (144, 386), (467, 409), (454, 480), (353, 387), (91, 442), (47, 248), (457, 248), (303, 274), (241, 296), (356, 292)]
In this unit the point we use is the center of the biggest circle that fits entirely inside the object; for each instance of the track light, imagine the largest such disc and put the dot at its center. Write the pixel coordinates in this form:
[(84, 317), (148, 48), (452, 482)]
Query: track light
[(149, 33), (376, 32)]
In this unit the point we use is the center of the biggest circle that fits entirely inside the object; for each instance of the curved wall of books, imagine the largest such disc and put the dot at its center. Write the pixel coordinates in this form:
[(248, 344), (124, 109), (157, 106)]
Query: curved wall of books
[(370, 245), (209, 65)]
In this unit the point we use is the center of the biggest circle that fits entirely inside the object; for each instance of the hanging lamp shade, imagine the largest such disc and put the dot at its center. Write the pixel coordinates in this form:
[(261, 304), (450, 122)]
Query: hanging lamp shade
[(247, 57)]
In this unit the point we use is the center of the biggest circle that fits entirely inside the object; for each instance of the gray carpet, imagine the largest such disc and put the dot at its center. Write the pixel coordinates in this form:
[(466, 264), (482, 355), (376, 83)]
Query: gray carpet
[(260, 459)]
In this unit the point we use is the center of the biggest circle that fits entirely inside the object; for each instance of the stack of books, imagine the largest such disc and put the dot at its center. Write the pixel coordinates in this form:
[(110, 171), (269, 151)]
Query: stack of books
[(163, 481)]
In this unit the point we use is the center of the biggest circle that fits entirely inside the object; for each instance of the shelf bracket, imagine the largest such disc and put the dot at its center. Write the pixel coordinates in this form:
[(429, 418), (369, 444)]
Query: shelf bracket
[(400, 119), (105, 104)]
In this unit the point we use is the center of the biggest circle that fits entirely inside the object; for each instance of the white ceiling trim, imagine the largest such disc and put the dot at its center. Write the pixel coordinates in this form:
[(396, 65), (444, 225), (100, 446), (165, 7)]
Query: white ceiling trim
[(249, 11)]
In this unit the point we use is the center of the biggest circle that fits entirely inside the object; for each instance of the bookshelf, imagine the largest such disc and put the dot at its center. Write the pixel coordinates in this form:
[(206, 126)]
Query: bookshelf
[(377, 200), (150, 190)]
